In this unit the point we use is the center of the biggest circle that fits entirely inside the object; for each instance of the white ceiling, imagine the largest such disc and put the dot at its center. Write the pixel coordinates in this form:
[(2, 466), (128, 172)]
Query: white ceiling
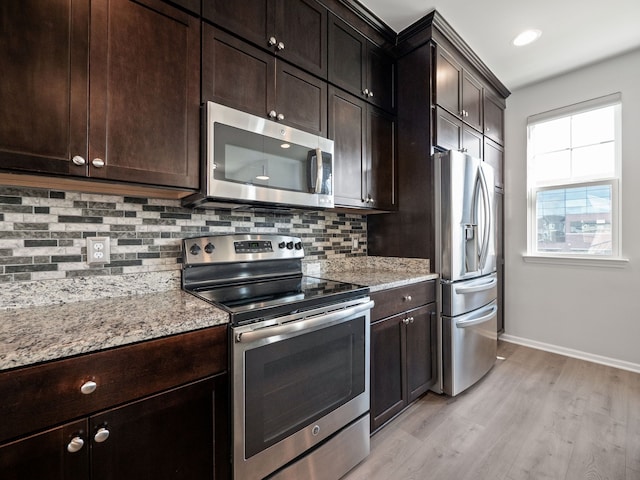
[(574, 32)]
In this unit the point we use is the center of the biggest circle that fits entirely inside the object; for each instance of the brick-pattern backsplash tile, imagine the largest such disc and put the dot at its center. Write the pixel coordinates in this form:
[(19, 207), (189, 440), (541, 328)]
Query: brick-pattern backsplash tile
[(43, 232)]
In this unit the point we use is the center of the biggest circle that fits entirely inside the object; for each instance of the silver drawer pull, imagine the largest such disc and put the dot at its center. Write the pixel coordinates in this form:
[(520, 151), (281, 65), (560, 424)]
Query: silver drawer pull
[(97, 162), (406, 298), (88, 387), (78, 160), (75, 445)]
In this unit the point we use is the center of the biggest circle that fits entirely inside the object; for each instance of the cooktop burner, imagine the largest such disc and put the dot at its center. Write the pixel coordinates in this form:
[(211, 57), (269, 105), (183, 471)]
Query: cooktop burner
[(254, 277)]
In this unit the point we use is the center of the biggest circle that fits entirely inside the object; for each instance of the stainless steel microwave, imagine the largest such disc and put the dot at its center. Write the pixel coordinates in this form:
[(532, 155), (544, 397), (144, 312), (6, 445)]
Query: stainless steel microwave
[(256, 161)]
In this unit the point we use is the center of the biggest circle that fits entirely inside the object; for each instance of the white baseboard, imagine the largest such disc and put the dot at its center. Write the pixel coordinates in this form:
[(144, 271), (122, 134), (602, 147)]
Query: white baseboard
[(568, 352)]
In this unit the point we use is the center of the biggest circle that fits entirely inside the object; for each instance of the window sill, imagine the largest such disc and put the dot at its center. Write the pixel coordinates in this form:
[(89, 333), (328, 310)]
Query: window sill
[(577, 261)]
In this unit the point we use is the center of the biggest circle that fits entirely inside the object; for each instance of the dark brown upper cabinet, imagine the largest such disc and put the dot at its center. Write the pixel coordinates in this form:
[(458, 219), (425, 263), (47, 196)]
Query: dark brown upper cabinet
[(364, 153), (295, 31), (107, 90), (451, 133), (457, 91), (494, 156), (359, 66), (494, 118), (239, 75), (44, 50)]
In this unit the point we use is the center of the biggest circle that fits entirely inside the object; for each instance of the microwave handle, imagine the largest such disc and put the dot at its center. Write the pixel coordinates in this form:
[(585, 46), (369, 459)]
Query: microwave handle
[(316, 172)]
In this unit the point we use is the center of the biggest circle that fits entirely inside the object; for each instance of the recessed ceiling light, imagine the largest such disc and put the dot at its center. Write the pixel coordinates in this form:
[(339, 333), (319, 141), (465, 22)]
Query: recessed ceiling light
[(527, 37)]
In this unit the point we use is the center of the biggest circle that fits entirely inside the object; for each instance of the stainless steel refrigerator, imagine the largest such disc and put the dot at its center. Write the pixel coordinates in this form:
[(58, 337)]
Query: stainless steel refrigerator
[(465, 219)]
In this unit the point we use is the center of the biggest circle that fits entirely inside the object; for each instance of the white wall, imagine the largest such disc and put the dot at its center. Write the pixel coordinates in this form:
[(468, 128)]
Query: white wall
[(584, 311)]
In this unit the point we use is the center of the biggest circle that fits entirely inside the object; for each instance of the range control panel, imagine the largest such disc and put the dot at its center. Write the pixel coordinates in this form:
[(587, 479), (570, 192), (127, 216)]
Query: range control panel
[(240, 248)]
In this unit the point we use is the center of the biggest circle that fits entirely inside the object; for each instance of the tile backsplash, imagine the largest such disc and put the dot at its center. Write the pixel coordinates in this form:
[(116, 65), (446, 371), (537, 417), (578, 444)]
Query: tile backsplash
[(43, 232)]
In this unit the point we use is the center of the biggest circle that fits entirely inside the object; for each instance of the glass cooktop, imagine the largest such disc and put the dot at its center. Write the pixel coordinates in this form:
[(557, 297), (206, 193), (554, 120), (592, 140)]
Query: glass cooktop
[(252, 301)]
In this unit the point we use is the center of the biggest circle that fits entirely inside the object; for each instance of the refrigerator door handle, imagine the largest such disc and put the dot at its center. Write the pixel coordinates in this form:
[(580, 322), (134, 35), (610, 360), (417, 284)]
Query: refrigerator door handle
[(487, 219), (478, 288), (475, 321)]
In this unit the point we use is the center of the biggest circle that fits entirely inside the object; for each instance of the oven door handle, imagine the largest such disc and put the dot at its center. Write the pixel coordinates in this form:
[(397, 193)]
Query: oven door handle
[(307, 323)]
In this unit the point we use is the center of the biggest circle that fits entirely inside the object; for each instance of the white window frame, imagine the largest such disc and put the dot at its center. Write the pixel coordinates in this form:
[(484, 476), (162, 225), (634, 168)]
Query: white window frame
[(533, 255)]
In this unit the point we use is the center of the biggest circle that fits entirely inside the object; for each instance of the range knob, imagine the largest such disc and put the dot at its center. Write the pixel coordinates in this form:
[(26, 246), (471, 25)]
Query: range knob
[(298, 245), (281, 245), (195, 249), (209, 248), (289, 245)]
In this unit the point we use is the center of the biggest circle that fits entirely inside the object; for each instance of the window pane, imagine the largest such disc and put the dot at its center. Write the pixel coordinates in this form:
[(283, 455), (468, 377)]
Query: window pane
[(551, 136), (593, 127), (594, 161), (552, 166), (575, 220)]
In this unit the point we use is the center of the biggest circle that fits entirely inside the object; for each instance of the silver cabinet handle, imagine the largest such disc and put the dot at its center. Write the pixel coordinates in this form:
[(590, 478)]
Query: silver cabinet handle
[(280, 46), (405, 321), (463, 150), (78, 160), (75, 445), (370, 93), (280, 117), (97, 162), (365, 92), (406, 298), (272, 41), (88, 387), (101, 435), (486, 129), (273, 114), (411, 319)]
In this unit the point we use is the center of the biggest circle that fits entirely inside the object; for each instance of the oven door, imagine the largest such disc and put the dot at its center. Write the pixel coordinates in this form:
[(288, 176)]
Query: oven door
[(297, 381)]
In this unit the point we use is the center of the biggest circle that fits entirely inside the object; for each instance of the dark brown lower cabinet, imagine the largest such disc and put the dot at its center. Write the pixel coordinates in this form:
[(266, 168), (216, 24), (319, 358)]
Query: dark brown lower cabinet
[(167, 436), (403, 363)]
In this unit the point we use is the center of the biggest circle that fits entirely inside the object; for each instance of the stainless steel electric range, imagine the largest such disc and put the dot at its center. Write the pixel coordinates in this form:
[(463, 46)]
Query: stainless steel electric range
[(299, 356)]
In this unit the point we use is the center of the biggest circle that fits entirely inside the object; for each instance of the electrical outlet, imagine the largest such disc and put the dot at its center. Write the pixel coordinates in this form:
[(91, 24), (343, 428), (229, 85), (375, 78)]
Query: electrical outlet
[(354, 243), (98, 250)]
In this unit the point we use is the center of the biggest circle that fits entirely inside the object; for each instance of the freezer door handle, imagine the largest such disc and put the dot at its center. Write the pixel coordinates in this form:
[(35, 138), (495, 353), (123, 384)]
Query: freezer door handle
[(478, 288), (475, 321)]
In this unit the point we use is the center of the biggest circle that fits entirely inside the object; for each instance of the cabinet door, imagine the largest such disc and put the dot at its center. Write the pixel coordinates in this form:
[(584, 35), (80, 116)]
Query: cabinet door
[(347, 57), (381, 78), (381, 178), (471, 141), (301, 99), (43, 93), (225, 60), (472, 101), (448, 80), (347, 128), (249, 19), (45, 456), (388, 377), (448, 131), (301, 26), (493, 118), (145, 93), (494, 156), (170, 435), (421, 349)]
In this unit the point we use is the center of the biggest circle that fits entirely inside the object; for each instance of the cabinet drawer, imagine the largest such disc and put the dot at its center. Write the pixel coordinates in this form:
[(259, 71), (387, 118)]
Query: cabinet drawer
[(400, 299), (44, 395)]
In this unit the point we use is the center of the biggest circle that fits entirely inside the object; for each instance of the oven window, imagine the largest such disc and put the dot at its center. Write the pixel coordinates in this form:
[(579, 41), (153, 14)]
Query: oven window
[(294, 382)]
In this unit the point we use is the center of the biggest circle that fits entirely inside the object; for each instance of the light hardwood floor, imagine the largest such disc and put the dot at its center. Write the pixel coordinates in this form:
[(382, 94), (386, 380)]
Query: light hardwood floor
[(536, 415)]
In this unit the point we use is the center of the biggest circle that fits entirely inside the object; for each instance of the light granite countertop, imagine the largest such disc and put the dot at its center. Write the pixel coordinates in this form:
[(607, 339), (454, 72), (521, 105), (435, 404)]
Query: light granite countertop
[(35, 334), (48, 320), (377, 273)]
